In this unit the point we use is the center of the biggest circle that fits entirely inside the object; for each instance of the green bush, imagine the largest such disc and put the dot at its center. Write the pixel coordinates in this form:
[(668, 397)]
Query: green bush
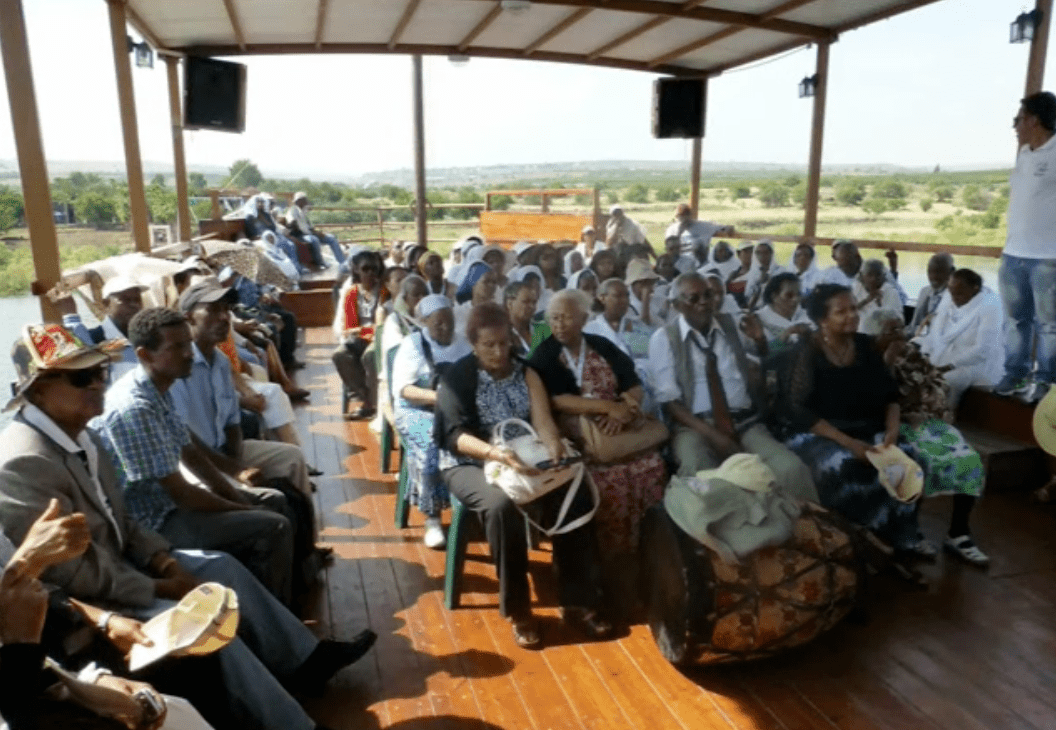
[(877, 206), (974, 198), (96, 209), (637, 193), (850, 192), (503, 202), (667, 193), (773, 194), (926, 203), (739, 191), (11, 209), (943, 192), (799, 193), (162, 204), (891, 189)]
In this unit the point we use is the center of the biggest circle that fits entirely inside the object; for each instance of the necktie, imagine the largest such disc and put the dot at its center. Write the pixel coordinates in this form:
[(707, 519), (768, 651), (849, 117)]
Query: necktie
[(720, 408)]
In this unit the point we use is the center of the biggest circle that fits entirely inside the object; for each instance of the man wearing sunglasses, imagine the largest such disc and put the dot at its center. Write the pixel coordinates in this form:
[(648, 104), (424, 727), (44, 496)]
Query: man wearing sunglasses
[(47, 454), (712, 389)]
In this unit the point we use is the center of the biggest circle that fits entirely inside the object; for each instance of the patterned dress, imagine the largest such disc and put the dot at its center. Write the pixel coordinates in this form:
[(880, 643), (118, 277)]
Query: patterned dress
[(627, 489)]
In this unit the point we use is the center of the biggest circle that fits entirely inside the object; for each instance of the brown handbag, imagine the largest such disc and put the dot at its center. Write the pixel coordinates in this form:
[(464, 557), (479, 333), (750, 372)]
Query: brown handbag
[(641, 435)]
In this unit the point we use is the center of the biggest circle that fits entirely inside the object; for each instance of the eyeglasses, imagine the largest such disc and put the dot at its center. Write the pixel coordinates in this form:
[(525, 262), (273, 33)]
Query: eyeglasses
[(82, 378), (697, 298)]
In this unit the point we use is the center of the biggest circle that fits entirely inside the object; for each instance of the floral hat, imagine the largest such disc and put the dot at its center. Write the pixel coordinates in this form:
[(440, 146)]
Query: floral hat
[(47, 347)]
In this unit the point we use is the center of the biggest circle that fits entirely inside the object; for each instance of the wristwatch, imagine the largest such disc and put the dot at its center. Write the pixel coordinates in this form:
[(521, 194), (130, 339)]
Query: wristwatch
[(104, 619)]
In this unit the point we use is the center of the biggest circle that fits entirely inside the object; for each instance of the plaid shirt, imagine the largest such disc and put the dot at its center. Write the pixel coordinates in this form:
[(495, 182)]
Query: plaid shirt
[(144, 434)]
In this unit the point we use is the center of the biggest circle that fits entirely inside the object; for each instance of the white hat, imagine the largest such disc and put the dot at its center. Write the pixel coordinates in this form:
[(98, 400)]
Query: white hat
[(615, 208), (1045, 422), (121, 283), (300, 195), (745, 245), (204, 621), (744, 470), (520, 247), (430, 304), (899, 475), (588, 229)]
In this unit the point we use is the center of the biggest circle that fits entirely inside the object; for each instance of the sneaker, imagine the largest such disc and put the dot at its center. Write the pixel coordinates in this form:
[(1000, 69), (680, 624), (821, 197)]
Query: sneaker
[(434, 533), (1011, 386), (925, 550), (963, 547), (1036, 393)]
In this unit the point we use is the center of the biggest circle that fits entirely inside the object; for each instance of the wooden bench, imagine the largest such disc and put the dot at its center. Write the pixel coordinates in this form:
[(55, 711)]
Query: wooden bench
[(1001, 430), (503, 227)]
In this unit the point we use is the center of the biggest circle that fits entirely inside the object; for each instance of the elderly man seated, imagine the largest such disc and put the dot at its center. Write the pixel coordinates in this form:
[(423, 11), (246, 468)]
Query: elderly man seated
[(621, 229), (965, 335), (47, 454), (711, 389), (940, 268), (694, 237), (123, 298), (873, 290), (301, 229)]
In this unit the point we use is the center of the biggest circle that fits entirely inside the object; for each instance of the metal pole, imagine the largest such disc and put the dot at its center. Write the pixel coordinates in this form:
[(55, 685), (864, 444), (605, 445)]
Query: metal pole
[(419, 153), (31, 164), (179, 161), (810, 205), (137, 198), (694, 177), (1038, 47)]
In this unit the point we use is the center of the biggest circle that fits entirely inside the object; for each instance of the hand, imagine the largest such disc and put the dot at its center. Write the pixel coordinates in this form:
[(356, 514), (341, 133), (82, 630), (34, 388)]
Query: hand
[(553, 444), (724, 446), (892, 260), (254, 402), (890, 438), (752, 327), (860, 449), (609, 426), (125, 708), (51, 540), (252, 477), (176, 583), (620, 412), (123, 632), (510, 459), (65, 304), (23, 606)]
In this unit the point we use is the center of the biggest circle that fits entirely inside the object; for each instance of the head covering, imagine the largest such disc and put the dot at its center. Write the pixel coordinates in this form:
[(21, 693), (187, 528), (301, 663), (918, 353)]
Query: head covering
[(573, 281), (206, 291), (430, 304), (765, 242), (613, 209), (474, 273), (300, 195), (45, 347), (520, 247), (120, 283), (568, 262), (225, 273), (639, 270), (424, 258), (249, 208), (521, 272), (588, 229), (399, 304), (191, 263), (745, 245), (494, 247)]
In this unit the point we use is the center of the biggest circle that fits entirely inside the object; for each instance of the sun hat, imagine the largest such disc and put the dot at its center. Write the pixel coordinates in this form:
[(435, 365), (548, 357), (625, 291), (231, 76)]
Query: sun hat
[(746, 471), (121, 283), (588, 229), (639, 270), (300, 195), (899, 475), (204, 621), (613, 209), (520, 247), (431, 304), (205, 291), (48, 347), (1045, 422)]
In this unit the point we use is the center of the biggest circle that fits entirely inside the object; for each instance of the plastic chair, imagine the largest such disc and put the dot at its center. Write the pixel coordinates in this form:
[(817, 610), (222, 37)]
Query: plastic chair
[(403, 505), (456, 554)]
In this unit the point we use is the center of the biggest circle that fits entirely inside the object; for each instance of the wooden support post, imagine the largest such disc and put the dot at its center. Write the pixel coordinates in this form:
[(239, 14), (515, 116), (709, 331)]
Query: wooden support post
[(31, 164), (694, 177), (1038, 48), (137, 198), (545, 203), (419, 153), (810, 205), (381, 227), (183, 206)]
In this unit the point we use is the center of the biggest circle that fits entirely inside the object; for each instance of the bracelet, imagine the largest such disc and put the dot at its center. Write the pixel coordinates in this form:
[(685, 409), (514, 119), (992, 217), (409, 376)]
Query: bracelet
[(103, 620)]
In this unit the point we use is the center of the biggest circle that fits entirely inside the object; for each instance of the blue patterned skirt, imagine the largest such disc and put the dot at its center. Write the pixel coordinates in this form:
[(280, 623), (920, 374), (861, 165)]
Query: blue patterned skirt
[(425, 487)]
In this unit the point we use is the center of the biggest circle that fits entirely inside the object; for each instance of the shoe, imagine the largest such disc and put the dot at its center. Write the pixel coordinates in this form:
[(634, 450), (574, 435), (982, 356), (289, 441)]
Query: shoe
[(526, 632), (1036, 393), (587, 622), (328, 658), (1009, 386), (925, 550), (298, 394), (295, 365), (963, 547), (434, 534), (360, 414), (313, 472)]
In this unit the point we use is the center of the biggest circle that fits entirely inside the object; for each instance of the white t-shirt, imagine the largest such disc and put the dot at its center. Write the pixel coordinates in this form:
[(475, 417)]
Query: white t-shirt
[(1032, 203), (695, 237)]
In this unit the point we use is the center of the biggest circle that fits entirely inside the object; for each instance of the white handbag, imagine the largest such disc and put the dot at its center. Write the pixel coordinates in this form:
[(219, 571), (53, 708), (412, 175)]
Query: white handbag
[(523, 489)]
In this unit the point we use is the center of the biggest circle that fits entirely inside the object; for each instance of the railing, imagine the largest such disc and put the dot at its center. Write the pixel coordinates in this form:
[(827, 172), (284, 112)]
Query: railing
[(380, 221), (992, 252)]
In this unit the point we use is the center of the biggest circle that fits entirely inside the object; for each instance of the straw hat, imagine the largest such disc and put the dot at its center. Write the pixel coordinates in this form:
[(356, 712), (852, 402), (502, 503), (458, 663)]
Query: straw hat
[(1045, 422), (746, 471), (639, 270), (49, 347), (899, 475), (121, 283), (204, 621)]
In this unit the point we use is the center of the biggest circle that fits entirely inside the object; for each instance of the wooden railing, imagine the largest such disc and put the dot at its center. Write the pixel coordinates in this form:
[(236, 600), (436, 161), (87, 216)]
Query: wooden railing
[(992, 252), (380, 221)]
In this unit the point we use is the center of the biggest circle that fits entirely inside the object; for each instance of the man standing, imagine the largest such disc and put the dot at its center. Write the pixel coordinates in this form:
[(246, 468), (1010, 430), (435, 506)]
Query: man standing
[(694, 237), (302, 229), (1027, 277), (713, 392)]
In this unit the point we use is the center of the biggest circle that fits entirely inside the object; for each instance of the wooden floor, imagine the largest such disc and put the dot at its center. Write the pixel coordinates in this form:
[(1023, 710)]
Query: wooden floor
[(974, 651)]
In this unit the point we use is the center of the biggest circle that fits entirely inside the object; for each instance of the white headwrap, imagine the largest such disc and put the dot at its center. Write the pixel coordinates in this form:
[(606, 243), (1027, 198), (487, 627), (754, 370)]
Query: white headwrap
[(430, 304)]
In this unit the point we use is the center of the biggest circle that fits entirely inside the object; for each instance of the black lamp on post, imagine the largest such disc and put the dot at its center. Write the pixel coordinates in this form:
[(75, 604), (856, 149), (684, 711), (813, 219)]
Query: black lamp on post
[(1022, 29), (808, 86), (143, 53)]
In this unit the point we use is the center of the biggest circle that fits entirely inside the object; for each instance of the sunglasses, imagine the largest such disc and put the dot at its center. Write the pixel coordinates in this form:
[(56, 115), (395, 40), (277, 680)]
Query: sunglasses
[(82, 378), (697, 298)]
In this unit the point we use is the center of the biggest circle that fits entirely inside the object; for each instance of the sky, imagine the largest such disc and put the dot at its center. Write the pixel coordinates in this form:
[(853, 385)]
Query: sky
[(938, 85)]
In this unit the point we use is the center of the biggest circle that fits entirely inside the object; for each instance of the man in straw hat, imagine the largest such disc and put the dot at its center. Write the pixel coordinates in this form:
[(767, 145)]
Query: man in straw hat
[(47, 453)]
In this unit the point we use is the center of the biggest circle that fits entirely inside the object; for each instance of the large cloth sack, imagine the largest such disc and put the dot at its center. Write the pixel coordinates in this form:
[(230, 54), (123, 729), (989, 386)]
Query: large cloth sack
[(703, 610)]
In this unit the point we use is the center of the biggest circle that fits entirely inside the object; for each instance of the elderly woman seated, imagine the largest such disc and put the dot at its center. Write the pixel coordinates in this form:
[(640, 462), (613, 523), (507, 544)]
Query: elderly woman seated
[(414, 373), (951, 465), (477, 393), (965, 335), (839, 401), (587, 375), (782, 317), (521, 299), (873, 291)]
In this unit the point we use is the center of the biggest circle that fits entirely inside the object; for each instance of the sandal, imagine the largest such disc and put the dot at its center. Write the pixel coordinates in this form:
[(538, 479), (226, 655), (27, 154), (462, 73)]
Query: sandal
[(526, 632), (963, 547), (925, 550)]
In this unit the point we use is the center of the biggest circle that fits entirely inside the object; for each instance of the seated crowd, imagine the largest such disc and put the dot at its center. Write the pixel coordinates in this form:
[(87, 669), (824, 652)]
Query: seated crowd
[(716, 343)]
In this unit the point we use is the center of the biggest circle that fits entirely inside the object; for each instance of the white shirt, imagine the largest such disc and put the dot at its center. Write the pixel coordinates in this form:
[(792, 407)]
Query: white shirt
[(599, 245), (364, 307), (84, 444), (696, 236), (888, 301), (665, 380), (296, 214), (968, 337), (1032, 203), (410, 363), (775, 324), (626, 229)]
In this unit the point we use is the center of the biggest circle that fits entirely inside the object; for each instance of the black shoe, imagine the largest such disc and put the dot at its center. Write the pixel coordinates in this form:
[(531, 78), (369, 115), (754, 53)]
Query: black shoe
[(328, 659), (587, 622), (294, 365), (360, 414), (313, 472)]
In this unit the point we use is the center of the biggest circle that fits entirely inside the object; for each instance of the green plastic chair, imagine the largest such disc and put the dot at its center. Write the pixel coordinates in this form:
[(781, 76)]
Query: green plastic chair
[(386, 427), (456, 554)]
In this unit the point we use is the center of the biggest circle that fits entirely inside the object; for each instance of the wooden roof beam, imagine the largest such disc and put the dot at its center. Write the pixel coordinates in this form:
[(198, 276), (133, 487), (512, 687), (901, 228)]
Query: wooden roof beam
[(639, 30), (320, 22), (236, 24), (405, 20), (142, 28), (480, 27), (571, 19), (726, 33)]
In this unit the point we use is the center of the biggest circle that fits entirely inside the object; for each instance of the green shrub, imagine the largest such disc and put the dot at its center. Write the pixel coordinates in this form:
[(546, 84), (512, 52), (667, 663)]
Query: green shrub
[(943, 192), (891, 189), (667, 193), (503, 202), (637, 193), (799, 193), (773, 194), (926, 203), (882, 205), (11, 209), (96, 209), (974, 198), (739, 191), (850, 192)]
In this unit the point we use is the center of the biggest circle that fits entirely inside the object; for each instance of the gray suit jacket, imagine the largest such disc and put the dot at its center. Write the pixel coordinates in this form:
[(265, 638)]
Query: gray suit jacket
[(33, 470)]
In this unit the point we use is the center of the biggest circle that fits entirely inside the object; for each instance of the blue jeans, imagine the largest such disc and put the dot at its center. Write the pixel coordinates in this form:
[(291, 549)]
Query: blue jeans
[(289, 248), (1028, 290), (315, 242)]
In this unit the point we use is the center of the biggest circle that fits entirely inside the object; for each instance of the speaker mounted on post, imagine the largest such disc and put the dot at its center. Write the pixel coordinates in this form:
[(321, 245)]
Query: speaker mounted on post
[(679, 107), (214, 94)]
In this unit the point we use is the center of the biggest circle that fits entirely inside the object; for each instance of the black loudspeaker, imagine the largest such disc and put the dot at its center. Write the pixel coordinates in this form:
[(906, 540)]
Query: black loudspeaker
[(214, 94), (678, 107)]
